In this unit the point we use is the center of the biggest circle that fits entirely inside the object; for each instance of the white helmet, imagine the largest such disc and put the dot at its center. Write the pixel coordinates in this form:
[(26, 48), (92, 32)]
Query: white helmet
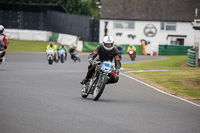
[(1, 29), (51, 43), (108, 43)]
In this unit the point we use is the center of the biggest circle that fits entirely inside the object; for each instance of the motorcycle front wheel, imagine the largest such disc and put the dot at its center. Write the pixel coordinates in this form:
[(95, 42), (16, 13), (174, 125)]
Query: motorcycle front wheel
[(99, 88), (50, 62), (79, 59), (62, 59), (83, 92)]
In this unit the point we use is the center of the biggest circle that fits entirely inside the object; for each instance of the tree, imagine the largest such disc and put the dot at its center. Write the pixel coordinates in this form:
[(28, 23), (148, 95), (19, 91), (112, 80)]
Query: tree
[(87, 7)]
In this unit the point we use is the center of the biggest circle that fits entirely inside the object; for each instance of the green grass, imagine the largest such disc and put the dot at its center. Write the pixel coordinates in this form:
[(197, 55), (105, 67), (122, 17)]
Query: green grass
[(174, 62), (182, 80), (27, 46)]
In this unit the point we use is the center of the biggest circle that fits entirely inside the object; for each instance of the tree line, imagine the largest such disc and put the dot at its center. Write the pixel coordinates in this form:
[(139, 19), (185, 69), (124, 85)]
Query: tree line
[(80, 7)]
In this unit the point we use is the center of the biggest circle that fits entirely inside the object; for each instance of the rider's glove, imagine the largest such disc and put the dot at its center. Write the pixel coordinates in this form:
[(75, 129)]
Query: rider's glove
[(5, 47), (90, 60)]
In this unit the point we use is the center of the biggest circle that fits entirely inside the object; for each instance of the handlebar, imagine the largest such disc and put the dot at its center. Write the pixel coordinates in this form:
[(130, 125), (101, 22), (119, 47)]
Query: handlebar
[(95, 62)]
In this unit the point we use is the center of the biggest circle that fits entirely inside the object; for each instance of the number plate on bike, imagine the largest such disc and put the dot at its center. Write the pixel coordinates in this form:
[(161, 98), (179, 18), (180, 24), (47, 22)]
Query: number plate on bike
[(106, 67)]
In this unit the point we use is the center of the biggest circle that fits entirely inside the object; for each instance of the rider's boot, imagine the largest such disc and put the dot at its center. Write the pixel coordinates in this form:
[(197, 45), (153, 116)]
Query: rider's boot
[(86, 79)]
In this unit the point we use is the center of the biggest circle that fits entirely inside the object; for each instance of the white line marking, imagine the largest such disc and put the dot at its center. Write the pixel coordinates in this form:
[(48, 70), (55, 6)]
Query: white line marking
[(160, 90)]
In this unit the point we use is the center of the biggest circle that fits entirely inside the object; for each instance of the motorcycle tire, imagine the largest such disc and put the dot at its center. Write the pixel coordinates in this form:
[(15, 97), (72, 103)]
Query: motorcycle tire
[(62, 59), (50, 62), (83, 94), (99, 88), (79, 59)]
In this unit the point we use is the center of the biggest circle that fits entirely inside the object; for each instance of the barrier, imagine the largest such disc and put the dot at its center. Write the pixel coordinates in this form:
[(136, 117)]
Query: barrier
[(173, 50), (33, 35), (91, 46), (191, 57)]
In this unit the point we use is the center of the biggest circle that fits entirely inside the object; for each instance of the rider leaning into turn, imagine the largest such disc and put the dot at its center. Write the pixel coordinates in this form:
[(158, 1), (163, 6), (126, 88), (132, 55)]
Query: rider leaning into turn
[(3, 43), (106, 52), (72, 49)]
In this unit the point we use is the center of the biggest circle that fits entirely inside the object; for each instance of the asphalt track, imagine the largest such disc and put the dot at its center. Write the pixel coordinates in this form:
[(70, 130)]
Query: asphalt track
[(39, 98)]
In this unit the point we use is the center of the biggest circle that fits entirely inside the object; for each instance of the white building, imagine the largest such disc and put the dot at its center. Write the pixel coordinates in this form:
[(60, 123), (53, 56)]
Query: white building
[(157, 21)]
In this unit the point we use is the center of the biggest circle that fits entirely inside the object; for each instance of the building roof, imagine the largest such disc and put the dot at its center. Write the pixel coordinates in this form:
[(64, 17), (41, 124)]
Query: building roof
[(150, 10)]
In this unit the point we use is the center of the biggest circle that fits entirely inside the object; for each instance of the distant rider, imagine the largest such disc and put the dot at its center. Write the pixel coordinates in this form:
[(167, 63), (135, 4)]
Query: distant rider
[(3, 43), (72, 50), (106, 52), (120, 49), (131, 47), (65, 48), (51, 45)]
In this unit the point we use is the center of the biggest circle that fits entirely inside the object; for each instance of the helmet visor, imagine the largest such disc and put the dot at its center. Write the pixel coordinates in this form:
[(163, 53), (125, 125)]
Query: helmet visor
[(108, 45)]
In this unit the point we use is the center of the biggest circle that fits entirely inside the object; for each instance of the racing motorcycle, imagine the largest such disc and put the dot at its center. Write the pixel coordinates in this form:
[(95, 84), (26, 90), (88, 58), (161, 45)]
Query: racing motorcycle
[(76, 57), (50, 55), (2, 50), (62, 55), (95, 86), (132, 54)]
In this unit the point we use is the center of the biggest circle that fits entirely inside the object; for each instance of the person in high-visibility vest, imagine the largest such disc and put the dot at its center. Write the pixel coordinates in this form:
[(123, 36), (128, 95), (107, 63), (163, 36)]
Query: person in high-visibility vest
[(131, 48)]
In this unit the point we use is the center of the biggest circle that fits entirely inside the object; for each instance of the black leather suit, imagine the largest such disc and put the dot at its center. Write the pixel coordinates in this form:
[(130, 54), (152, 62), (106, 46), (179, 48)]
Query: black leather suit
[(105, 55)]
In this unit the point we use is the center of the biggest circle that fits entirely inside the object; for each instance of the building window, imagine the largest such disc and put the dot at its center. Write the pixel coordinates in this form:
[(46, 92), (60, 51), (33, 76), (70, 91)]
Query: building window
[(177, 41), (168, 26), (123, 24)]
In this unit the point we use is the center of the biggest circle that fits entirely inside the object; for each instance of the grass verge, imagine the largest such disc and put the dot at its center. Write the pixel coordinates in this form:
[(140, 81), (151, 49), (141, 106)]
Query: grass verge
[(27, 46), (180, 80)]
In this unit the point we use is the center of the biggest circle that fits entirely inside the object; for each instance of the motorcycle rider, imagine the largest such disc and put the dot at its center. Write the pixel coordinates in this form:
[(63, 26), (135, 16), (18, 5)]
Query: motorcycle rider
[(120, 49), (65, 48), (131, 47), (51, 45), (71, 51), (3, 43), (106, 52)]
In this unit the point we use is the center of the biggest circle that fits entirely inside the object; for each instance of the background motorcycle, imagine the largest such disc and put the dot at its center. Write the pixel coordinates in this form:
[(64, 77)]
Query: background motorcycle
[(2, 51), (132, 54), (62, 55), (97, 83), (50, 55), (76, 57)]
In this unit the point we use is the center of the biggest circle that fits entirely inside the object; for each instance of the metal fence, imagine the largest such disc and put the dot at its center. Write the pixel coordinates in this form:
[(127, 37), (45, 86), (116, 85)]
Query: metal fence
[(25, 16), (69, 23), (48, 17)]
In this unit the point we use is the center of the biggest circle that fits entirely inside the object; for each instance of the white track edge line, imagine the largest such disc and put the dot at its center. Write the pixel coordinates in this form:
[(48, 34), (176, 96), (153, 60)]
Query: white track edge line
[(160, 90)]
